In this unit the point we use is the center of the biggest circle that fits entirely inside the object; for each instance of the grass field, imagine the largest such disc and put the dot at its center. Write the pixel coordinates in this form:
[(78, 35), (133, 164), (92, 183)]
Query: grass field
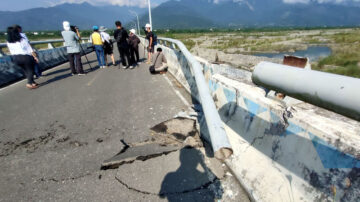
[(344, 43)]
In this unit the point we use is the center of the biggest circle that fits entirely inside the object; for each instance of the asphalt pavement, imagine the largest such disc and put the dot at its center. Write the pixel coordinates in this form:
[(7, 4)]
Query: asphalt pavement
[(53, 139)]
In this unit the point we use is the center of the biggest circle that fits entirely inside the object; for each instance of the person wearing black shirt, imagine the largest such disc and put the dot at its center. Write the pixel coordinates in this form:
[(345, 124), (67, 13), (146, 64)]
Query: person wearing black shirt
[(121, 36), (150, 38)]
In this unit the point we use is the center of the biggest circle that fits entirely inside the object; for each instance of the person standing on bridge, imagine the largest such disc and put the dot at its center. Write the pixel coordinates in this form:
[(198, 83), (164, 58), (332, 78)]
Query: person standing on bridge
[(73, 49), (108, 45), (134, 47), (150, 38), (22, 54), (121, 36), (37, 69), (98, 43)]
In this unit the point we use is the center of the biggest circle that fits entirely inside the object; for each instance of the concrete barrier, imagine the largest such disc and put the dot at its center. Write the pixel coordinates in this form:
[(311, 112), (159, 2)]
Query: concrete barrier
[(283, 150), (9, 72)]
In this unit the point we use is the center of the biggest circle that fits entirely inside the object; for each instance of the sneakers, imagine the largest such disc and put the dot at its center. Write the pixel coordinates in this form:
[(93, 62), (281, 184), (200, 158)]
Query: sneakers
[(124, 67), (132, 67), (81, 74)]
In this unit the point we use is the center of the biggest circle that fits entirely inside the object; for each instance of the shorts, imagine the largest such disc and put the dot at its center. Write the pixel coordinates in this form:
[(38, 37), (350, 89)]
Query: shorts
[(150, 49), (108, 49)]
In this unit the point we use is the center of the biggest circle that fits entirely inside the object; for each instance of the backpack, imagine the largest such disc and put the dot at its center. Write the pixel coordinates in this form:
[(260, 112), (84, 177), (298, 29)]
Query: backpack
[(155, 39), (119, 37)]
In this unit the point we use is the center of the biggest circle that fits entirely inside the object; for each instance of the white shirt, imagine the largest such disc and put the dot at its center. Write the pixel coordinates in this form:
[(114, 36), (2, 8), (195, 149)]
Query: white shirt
[(21, 47), (105, 36), (23, 35)]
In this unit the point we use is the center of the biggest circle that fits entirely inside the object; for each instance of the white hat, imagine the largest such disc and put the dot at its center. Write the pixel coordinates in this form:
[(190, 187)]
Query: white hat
[(148, 25), (133, 31), (66, 25), (102, 29)]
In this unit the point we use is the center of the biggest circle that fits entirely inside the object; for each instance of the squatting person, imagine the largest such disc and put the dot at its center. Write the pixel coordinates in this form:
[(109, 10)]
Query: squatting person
[(159, 62)]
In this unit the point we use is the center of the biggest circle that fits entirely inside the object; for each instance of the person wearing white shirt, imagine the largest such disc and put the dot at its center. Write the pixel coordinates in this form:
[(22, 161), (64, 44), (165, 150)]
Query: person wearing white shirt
[(22, 54), (108, 44), (37, 70)]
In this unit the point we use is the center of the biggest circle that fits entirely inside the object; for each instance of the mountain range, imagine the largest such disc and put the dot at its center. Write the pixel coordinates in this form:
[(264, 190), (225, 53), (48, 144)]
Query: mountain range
[(83, 15), (181, 14)]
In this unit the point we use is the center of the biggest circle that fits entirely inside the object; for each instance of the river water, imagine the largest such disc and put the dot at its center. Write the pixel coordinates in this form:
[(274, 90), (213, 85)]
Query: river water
[(314, 53)]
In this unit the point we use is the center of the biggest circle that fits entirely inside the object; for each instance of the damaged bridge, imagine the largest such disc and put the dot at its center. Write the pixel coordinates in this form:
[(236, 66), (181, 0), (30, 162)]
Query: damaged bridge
[(112, 135), (123, 134)]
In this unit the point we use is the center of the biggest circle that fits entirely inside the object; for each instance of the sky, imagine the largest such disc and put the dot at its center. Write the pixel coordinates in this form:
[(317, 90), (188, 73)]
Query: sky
[(16, 5)]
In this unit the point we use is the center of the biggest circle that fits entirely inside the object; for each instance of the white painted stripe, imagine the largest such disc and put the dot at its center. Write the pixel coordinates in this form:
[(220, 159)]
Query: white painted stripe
[(176, 91)]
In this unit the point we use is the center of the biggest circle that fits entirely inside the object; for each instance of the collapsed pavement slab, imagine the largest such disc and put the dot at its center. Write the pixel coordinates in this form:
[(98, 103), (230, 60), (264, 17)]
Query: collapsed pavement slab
[(142, 153)]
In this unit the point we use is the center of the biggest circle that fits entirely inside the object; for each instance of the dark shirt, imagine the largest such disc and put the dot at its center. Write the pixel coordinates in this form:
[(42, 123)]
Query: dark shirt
[(134, 41), (123, 39), (150, 35)]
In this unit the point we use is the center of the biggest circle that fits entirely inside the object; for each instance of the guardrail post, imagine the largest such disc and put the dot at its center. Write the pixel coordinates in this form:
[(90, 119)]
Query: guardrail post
[(173, 46), (50, 46)]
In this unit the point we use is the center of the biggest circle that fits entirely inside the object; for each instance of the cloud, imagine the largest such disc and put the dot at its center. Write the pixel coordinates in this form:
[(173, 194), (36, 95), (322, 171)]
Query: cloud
[(138, 3)]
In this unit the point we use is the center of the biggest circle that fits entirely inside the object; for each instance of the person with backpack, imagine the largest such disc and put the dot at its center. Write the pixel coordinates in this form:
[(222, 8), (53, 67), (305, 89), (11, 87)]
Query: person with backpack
[(159, 64), (73, 49), (108, 44), (152, 38), (134, 42), (121, 36), (98, 43)]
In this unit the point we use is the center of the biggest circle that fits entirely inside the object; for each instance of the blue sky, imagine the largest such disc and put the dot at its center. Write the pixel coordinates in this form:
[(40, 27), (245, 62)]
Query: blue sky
[(15, 5)]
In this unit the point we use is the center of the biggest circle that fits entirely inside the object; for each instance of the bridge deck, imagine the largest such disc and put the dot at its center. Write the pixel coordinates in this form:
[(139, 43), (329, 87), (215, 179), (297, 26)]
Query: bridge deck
[(54, 139)]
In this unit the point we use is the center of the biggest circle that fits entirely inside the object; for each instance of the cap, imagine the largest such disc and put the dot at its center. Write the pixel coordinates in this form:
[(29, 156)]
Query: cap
[(95, 28), (133, 31), (148, 25)]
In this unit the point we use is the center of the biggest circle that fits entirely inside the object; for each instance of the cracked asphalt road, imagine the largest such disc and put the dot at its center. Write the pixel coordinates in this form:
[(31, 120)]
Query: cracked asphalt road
[(54, 139)]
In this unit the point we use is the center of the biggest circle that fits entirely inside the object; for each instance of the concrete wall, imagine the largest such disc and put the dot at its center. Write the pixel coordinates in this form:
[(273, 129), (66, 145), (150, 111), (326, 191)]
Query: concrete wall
[(283, 151), (9, 72)]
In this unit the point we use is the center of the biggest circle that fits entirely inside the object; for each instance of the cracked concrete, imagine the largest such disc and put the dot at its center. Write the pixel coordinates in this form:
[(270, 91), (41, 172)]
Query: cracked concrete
[(54, 139)]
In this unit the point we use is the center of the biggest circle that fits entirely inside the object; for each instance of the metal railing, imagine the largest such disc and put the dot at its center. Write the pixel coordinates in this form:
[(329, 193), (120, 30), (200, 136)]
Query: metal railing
[(219, 140), (49, 42)]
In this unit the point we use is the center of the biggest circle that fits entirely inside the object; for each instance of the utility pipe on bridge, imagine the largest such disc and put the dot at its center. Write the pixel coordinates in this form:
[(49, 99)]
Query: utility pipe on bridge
[(331, 91)]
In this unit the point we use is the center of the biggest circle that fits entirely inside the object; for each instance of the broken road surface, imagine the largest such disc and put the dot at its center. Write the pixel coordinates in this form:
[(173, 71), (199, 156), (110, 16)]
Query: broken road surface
[(54, 140)]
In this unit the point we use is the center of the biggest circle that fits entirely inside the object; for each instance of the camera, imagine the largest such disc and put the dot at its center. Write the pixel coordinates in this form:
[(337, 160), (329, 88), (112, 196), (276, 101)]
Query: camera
[(74, 28)]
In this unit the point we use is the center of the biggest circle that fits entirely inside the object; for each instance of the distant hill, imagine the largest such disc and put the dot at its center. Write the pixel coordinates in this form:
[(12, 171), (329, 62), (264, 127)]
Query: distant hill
[(83, 15), (187, 14), (252, 13)]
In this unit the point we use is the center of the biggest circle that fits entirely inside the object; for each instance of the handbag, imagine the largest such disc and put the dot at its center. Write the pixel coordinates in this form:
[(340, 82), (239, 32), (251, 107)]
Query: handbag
[(152, 67)]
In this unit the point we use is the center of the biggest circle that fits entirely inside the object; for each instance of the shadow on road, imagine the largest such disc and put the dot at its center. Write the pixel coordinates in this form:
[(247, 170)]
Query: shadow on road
[(192, 181)]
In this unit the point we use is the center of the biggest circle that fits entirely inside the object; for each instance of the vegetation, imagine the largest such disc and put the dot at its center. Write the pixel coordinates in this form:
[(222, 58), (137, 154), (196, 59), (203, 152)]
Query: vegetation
[(345, 43), (345, 59)]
